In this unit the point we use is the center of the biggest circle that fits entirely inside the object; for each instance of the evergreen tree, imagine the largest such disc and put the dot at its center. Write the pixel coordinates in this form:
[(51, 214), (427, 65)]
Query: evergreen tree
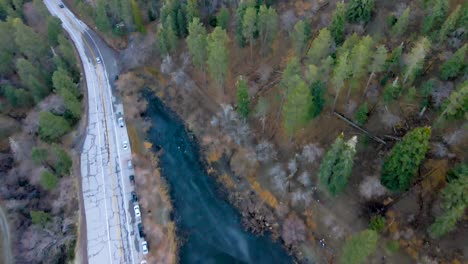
[(53, 30), (361, 114), (222, 19), (455, 201), (337, 24), (249, 26), (300, 36), (359, 247), (404, 159), (455, 65), (297, 106), (243, 100), (360, 58), (196, 43), (167, 38), (340, 74), (48, 180), (457, 103), (61, 80), (451, 22), (7, 48), (321, 46), (240, 11), (52, 127), (32, 78), (137, 17), (415, 60), (292, 69), (317, 89), (28, 42), (267, 26), (61, 160), (399, 28), (393, 63), (181, 23), (218, 55), (337, 165), (17, 97), (378, 63), (435, 17), (191, 10), (102, 20), (360, 10)]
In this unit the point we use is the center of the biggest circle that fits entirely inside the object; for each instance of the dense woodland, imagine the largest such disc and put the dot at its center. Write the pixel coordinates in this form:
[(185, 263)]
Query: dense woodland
[(39, 104), (397, 72), (405, 73)]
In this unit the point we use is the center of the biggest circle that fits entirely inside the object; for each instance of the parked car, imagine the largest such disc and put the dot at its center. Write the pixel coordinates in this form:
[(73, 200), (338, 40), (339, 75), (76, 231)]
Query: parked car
[(129, 164), (98, 60), (134, 197), (140, 230), (121, 121), (136, 208), (61, 5), (125, 145), (132, 179), (143, 262), (144, 245)]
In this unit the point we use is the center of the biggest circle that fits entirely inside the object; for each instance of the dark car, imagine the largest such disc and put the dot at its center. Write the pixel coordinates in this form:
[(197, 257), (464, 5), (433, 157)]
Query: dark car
[(132, 179), (61, 5), (134, 197), (140, 230)]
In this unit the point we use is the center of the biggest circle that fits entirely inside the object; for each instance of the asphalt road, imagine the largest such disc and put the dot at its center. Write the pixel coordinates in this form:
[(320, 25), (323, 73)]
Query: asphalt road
[(112, 235)]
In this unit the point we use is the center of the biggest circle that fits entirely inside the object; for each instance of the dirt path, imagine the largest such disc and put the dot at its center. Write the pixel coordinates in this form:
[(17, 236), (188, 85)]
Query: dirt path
[(5, 247)]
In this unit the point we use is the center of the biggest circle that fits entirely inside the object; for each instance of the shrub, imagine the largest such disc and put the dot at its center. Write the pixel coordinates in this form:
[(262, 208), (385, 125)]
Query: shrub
[(48, 180), (361, 114), (359, 247), (377, 223), (392, 246), (404, 159), (40, 218)]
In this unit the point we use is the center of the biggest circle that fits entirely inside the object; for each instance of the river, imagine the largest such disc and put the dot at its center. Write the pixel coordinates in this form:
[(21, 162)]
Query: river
[(207, 224)]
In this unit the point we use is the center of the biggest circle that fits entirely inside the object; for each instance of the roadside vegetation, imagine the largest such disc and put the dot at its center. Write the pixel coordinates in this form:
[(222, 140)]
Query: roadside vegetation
[(340, 116), (40, 103)]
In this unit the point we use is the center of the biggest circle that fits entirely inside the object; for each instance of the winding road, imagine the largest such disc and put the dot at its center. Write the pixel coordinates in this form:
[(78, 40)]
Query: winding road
[(111, 231)]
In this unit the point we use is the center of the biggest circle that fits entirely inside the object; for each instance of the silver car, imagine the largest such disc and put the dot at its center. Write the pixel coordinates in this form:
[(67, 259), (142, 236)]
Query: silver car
[(125, 145), (136, 208), (144, 246), (120, 121)]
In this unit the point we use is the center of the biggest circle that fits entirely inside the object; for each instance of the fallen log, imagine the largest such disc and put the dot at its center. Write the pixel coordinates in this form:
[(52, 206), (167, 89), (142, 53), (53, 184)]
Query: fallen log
[(342, 117)]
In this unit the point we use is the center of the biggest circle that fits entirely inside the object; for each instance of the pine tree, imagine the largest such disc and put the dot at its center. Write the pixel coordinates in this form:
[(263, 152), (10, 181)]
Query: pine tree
[(435, 16), (451, 22), (249, 26), (33, 79), (338, 23), (243, 100), (402, 23), (52, 127), (196, 43), (267, 26), (455, 65), (292, 69), (28, 42), (166, 36), (297, 106), (360, 10), (240, 11), (446, 222), (137, 17), (7, 48), (404, 159), (222, 19), (61, 80), (457, 102), (378, 63), (340, 74), (218, 55), (415, 60), (102, 20), (317, 89), (191, 10), (337, 165), (53, 30), (300, 36), (321, 47), (360, 58)]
